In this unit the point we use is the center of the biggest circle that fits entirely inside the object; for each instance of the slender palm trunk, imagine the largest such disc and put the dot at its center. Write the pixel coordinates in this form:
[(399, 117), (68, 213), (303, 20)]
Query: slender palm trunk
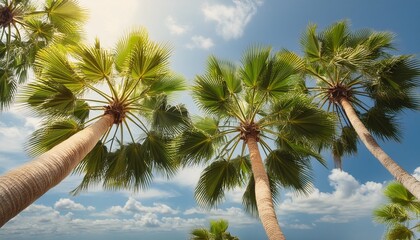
[(406, 179), (22, 186), (263, 193)]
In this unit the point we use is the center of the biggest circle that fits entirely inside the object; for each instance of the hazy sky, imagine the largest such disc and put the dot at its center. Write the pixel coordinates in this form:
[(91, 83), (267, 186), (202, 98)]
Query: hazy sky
[(341, 204)]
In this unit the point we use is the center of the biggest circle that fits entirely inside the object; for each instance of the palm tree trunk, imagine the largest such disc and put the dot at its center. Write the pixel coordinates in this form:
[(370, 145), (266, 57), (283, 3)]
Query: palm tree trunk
[(22, 186), (263, 193), (406, 179)]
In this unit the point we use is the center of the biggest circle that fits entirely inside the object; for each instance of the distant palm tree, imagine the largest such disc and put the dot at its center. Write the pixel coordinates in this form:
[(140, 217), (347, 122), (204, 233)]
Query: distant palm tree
[(129, 89), (217, 231), (25, 30), (399, 213), (248, 107), (365, 86)]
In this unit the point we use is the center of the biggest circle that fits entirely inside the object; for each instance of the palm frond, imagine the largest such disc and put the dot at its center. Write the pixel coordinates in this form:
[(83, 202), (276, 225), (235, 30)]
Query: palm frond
[(290, 170), (295, 115), (8, 88), (221, 175), (212, 96), (399, 232), (51, 134), (125, 47), (95, 63), (253, 64), (310, 44), (169, 120), (226, 72), (52, 64), (382, 123), (194, 146), (93, 167)]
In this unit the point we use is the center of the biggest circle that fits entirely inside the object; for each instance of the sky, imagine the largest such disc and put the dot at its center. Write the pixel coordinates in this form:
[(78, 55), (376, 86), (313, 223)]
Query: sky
[(339, 207)]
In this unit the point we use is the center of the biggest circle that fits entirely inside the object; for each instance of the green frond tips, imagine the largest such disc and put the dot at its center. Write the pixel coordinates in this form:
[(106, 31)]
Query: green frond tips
[(8, 88)]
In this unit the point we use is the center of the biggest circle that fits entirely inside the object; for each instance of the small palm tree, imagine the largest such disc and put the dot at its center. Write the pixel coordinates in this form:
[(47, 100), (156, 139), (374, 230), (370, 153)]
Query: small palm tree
[(128, 89), (217, 231), (399, 213), (365, 86), (25, 30), (251, 108)]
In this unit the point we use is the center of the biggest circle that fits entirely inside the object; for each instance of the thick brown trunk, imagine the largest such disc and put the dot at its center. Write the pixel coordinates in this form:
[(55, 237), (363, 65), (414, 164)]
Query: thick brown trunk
[(263, 193), (22, 186), (406, 179)]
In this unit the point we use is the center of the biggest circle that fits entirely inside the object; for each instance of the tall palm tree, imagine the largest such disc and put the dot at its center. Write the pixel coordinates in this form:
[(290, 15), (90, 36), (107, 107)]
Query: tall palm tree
[(128, 89), (401, 210), (250, 108), (365, 85), (217, 231), (25, 29)]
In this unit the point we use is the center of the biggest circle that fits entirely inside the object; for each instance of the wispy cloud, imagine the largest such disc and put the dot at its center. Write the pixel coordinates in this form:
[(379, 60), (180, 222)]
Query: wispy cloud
[(231, 20), (341, 205), (200, 42), (69, 205), (174, 27)]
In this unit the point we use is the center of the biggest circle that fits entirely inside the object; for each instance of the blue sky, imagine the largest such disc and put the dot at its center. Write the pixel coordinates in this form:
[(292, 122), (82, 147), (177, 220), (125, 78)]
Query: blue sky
[(339, 207)]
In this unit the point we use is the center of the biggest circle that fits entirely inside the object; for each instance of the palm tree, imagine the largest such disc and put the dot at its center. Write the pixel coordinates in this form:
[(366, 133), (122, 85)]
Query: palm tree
[(402, 208), (366, 87), (217, 231), (247, 108), (25, 30), (129, 89)]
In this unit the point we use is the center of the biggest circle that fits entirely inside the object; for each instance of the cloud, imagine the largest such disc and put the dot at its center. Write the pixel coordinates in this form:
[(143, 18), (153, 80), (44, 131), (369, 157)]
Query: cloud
[(231, 20), (349, 200), (132, 206), (416, 173), (200, 42), (235, 216), (69, 205), (186, 177), (41, 220), (174, 27)]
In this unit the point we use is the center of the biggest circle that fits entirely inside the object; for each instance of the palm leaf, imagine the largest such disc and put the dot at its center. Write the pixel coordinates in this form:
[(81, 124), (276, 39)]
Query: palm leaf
[(67, 16), (382, 123), (8, 88), (194, 146), (211, 95), (253, 64), (53, 65), (310, 43), (200, 234), (290, 170), (399, 232), (226, 72), (156, 149), (93, 166), (169, 120), (95, 63), (51, 134), (125, 47), (221, 175)]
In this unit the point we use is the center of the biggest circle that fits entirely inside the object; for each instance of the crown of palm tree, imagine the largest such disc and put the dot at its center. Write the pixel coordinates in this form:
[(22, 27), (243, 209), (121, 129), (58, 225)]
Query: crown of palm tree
[(25, 29), (256, 101), (132, 84), (357, 66)]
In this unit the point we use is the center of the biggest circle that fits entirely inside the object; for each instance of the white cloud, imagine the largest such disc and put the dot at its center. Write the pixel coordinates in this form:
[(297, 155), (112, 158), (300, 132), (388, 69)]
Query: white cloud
[(69, 205), (186, 177), (132, 206), (349, 200), (174, 27), (235, 216), (200, 42), (231, 20), (416, 173), (133, 217)]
